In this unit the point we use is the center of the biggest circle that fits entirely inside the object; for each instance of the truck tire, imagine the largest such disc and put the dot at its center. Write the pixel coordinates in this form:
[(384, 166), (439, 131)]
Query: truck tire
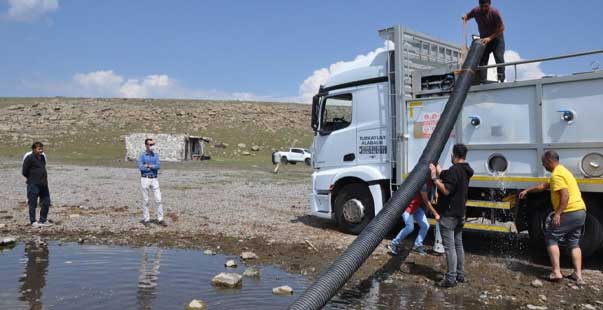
[(354, 208), (284, 160), (590, 242), (308, 161), (593, 236)]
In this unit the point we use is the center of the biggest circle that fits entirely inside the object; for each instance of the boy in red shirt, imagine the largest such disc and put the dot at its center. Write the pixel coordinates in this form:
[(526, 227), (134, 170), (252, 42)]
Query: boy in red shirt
[(416, 212)]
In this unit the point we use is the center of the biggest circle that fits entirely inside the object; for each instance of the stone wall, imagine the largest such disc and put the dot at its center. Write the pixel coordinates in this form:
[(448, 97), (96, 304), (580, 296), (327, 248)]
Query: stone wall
[(169, 147)]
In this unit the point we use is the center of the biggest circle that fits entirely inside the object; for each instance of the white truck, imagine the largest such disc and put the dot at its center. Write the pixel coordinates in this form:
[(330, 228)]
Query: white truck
[(372, 123), (293, 156)]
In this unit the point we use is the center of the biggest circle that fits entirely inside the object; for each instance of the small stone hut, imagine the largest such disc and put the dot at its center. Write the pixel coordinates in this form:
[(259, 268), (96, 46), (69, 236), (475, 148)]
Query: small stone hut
[(170, 147)]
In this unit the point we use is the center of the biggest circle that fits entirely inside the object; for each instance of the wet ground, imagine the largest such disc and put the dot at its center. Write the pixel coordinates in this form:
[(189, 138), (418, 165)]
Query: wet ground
[(68, 275)]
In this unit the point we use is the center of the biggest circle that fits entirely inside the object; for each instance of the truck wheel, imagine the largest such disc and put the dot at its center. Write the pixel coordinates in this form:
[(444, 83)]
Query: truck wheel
[(589, 243), (354, 208), (308, 161), (284, 160), (593, 236)]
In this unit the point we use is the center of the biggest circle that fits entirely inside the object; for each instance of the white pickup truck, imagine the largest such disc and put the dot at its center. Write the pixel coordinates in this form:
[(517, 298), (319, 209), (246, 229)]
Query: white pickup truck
[(293, 156)]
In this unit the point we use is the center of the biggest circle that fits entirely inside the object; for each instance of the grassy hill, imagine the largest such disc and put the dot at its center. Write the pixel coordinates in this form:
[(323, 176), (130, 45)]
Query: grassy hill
[(85, 130)]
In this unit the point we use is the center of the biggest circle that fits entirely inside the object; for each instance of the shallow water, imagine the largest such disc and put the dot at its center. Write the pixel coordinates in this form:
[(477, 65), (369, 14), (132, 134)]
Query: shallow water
[(73, 276)]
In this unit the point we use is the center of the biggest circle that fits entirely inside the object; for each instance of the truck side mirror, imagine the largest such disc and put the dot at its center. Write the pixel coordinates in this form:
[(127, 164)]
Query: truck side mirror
[(315, 111)]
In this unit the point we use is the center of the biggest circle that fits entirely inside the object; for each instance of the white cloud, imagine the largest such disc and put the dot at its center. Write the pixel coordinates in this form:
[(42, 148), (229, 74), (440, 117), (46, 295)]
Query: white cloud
[(310, 85), (107, 83), (28, 10), (529, 71), (99, 82)]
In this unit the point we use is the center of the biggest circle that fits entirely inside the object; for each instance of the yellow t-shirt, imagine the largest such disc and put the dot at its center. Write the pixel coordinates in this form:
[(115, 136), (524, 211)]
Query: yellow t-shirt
[(562, 178)]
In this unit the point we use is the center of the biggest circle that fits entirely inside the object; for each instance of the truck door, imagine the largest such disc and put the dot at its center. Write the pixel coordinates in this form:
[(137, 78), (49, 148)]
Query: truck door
[(335, 141)]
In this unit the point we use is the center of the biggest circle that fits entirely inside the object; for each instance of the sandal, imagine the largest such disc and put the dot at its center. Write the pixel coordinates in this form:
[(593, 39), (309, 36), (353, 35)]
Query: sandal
[(574, 277), (552, 278)]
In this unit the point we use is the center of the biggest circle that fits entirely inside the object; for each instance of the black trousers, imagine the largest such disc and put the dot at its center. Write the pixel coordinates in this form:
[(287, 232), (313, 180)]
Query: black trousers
[(35, 191), (496, 47)]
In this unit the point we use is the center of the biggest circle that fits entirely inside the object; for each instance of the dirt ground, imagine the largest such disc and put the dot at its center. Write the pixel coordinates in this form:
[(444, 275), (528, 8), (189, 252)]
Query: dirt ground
[(230, 210)]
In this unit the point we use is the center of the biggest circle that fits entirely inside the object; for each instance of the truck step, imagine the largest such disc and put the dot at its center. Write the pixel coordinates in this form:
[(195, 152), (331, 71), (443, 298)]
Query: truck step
[(506, 205), (481, 227)]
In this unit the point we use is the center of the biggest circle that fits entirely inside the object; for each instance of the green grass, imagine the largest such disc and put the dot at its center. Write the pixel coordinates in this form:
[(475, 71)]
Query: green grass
[(102, 144)]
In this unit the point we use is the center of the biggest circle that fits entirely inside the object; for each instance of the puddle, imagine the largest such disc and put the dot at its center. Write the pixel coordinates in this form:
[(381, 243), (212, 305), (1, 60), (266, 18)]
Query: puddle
[(73, 276)]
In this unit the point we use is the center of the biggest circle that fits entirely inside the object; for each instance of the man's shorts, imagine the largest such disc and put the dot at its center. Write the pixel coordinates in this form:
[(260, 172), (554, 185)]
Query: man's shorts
[(568, 233)]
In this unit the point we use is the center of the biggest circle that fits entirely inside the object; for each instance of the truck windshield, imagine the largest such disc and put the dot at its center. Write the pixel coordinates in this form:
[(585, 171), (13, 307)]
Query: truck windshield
[(336, 113)]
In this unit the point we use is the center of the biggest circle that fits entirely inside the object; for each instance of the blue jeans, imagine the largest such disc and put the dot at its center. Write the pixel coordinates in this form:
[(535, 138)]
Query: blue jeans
[(452, 238), (409, 227), (35, 191)]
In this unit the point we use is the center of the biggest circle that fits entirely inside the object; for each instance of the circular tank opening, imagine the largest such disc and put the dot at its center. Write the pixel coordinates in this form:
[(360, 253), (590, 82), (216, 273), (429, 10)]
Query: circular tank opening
[(592, 165), (497, 163)]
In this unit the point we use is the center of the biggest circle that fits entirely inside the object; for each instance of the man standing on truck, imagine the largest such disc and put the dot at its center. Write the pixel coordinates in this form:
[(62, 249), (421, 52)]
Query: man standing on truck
[(491, 28), (453, 186), (569, 215)]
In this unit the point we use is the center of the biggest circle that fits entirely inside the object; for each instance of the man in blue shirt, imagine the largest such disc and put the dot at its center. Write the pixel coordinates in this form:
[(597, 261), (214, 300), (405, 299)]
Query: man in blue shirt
[(148, 164)]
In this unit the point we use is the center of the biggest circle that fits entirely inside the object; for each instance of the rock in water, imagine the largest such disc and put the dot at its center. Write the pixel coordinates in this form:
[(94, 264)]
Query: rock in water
[(7, 240), (537, 283), (248, 255), (196, 305), (209, 252), (228, 280), (282, 290), (230, 263), (252, 272)]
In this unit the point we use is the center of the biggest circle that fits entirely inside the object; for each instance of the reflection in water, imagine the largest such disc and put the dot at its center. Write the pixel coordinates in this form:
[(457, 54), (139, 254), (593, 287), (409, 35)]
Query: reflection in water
[(147, 278), (34, 279)]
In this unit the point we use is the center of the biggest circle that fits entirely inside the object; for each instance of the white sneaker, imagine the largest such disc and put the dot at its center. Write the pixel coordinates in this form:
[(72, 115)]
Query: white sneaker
[(46, 224), (35, 224)]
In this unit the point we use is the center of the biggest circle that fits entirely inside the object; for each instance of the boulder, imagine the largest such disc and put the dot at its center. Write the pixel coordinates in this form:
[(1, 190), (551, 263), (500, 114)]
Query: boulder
[(209, 252), (241, 145), (248, 255), (228, 280), (255, 148), (252, 272), (537, 283), (7, 240), (282, 290), (245, 153), (230, 263), (196, 305)]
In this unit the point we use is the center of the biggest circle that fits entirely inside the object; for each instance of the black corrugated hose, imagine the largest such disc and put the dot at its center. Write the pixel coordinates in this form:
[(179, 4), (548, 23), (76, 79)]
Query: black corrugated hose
[(340, 271)]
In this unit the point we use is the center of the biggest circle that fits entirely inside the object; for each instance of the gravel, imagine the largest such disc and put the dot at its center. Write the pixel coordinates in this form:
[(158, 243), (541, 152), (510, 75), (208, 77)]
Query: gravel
[(228, 202)]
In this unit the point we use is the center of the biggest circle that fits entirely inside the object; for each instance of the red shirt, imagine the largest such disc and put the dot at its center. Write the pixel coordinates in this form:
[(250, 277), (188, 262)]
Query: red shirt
[(414, 204), (488, 22), (417, 201)]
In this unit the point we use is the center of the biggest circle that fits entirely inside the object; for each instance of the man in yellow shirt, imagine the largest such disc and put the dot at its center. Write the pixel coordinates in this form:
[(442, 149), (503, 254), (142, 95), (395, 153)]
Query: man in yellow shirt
[(569, 216)]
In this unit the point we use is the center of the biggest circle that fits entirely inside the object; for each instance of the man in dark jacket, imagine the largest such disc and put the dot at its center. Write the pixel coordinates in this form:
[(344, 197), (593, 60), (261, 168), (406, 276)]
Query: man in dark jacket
[(34, 169), (453, 186)]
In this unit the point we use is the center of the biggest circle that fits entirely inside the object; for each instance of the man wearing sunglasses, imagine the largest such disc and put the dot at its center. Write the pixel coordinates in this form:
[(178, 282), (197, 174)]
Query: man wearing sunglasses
[(491, 28), (148, 164)]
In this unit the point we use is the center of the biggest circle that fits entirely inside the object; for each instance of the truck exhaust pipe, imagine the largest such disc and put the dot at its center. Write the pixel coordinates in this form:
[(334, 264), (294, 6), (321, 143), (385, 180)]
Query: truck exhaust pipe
[(340, 271)]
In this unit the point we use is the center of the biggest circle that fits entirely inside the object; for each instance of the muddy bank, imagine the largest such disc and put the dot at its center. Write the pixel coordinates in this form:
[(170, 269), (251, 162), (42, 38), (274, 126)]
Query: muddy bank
[(231, 211)]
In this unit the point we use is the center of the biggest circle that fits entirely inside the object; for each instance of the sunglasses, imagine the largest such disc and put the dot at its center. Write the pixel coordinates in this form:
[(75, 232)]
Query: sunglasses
[(151, 144)]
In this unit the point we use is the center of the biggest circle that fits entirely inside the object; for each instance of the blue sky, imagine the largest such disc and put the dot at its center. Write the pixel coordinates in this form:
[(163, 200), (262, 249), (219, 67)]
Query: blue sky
[(262, 50)]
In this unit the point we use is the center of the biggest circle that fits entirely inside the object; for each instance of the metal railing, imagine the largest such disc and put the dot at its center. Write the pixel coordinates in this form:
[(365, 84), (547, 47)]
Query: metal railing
[(522, 62)]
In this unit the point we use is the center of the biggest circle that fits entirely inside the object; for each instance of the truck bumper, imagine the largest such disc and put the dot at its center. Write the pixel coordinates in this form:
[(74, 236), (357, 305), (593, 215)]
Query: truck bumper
[(320, 205)]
